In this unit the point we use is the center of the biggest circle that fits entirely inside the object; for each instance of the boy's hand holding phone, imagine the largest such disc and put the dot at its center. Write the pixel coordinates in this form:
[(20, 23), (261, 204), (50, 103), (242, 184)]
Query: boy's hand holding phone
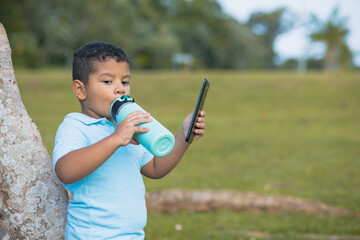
[(197, 125), (200, 125)]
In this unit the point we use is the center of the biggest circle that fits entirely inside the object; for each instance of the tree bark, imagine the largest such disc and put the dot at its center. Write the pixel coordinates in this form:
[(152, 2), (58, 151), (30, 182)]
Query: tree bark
[(32, 201)]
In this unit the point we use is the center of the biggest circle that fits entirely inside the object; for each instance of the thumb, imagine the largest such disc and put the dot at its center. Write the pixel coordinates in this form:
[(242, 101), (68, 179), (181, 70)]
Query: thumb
[(134, 141)]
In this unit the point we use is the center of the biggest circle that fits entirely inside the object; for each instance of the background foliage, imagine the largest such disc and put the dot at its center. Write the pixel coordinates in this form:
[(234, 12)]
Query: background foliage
[(151, 31)]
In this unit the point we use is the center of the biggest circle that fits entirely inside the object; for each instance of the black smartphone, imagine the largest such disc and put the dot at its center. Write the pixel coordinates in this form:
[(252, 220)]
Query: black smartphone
[(199, 105)]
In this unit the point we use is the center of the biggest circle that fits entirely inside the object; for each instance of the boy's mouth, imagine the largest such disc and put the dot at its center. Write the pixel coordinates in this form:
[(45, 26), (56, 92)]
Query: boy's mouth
[(117, 98)]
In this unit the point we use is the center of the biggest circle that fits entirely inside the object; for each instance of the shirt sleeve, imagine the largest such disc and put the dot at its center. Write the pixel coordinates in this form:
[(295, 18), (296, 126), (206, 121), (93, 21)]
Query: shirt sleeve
[(147, 157), (68, 138)]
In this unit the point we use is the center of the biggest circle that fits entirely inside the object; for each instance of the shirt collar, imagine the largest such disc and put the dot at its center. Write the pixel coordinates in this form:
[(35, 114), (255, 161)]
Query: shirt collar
[(86, 119)]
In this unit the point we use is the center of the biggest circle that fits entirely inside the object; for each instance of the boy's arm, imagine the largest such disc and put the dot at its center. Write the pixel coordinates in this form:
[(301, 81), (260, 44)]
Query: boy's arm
[(78, 164), (159, 167)]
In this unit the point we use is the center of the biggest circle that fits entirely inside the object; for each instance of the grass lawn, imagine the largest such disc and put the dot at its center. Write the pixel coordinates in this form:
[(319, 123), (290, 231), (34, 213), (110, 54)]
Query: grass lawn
[(263, 128)]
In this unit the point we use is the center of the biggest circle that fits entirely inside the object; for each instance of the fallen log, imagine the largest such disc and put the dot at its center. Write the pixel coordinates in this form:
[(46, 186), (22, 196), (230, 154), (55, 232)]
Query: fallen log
[(172, 201), (309, 236)]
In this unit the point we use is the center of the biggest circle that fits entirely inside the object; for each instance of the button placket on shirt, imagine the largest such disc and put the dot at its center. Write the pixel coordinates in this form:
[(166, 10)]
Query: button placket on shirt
[(107, 124)]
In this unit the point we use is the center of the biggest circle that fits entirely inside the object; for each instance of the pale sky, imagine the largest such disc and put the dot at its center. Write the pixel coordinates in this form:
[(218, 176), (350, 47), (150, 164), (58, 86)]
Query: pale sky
[(296, 43)]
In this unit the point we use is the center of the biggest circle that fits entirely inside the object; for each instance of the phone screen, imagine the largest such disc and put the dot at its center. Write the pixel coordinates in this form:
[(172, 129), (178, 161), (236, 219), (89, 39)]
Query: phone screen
[(199, 105)]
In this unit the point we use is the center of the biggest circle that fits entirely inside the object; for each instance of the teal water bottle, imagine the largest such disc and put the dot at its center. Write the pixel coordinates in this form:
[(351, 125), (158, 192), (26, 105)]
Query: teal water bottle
[(158, 140)]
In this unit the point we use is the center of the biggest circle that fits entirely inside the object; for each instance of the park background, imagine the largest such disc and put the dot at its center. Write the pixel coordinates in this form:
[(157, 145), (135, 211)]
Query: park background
[(288, 128)]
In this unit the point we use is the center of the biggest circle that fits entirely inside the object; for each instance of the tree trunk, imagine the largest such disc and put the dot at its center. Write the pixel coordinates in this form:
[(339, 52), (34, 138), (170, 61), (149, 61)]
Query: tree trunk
[(32, 200), (331, 59)]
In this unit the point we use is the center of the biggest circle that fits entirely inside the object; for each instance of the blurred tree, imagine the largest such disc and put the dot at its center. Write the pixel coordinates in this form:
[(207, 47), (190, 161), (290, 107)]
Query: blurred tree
[(151, 31), (153, 39), (314, 64), (332, 32), (199, 26), (9, 15), (268, 26), (289, 64), (24, 43), (72, 23), (243, 49), (293, 64), (215, 39)]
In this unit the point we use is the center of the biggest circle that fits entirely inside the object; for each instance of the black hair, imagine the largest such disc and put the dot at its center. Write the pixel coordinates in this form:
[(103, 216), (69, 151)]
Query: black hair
[(87, 55)]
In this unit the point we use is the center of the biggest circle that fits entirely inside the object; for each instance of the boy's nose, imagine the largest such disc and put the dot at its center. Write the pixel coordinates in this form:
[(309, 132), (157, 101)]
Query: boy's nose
[(119, 89)]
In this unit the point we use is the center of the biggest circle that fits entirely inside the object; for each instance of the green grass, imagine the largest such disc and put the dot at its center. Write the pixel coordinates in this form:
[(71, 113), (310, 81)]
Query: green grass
[(262, 128)]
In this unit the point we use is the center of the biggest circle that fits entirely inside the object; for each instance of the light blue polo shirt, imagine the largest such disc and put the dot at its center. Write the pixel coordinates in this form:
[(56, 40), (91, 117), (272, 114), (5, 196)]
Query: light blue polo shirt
[(110, 202)]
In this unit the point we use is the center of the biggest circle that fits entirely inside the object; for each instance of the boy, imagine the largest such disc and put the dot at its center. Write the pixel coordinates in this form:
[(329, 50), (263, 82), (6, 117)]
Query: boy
[(98, 160)]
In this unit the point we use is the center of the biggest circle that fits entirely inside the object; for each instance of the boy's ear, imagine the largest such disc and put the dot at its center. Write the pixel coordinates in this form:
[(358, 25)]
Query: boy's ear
[(78, 88)]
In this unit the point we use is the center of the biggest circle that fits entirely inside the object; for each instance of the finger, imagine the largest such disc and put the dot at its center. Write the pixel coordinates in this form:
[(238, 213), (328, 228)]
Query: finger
[(199, 131), (137, 116), (141, 129), (200, 120), (141, 119), (133, 141), (134, 113), (202, 114), (200, 125)]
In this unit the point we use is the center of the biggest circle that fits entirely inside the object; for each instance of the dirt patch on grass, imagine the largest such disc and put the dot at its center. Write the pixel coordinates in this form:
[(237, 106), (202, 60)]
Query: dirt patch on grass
[(206, 200)]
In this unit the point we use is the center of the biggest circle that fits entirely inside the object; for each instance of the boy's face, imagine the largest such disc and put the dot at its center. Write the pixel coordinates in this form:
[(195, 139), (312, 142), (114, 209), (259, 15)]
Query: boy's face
[(110, 80)]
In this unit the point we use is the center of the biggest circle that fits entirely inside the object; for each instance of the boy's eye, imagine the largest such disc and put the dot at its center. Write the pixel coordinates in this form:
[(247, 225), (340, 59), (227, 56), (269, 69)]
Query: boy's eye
[(125, 83), (107, 81)]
